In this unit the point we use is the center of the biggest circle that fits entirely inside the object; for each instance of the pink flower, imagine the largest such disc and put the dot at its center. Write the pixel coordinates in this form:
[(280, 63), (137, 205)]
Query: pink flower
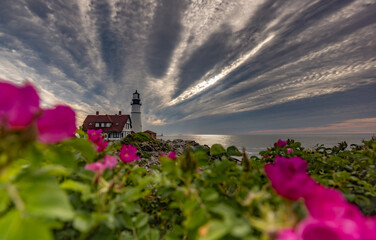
[(329, 204), (56, 124), (289, 150), (110, 161), (289, 177), (97, 167), (171, 155), (128, 153), (280, 143), (287, 234), (342, 229), (369, 228), (96, 138), (18, 105)]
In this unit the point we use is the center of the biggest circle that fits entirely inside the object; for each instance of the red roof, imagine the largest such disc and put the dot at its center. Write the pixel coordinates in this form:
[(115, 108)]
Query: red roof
[(118, 122), (148, 131)]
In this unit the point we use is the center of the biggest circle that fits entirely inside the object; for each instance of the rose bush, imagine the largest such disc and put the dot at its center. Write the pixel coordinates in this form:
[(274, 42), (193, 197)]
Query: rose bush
[(55, 186)]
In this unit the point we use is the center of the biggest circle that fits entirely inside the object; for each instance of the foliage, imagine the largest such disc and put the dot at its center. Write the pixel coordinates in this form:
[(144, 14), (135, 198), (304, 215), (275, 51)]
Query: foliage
[(140, 139), (74, 190), (137, 138), (47, 191), (351, 171)]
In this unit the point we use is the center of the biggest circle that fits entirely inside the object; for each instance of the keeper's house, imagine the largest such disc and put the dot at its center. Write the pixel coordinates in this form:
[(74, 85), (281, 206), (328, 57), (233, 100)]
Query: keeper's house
[(114, 127)]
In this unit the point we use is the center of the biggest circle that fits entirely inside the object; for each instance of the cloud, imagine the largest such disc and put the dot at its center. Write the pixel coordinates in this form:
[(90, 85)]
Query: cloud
[(224, 73)]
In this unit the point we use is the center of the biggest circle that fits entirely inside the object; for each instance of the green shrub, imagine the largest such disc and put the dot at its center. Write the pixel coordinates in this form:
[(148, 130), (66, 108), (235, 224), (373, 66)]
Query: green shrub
[(46, 192)]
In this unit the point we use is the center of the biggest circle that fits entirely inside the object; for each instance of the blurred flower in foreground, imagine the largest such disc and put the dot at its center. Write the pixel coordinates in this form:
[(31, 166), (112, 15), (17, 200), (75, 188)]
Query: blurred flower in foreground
[(171, 155), (110, 161), (288, 175), (330, 215), (18, 105), (128, 153), (96, 138), (98, 167), (280, 143), (56, 124), (287, 234), (19, 108)]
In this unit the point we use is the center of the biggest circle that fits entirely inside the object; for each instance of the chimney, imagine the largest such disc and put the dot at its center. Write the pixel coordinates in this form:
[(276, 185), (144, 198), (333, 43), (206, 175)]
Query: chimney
[(119, 112), (97, 113)]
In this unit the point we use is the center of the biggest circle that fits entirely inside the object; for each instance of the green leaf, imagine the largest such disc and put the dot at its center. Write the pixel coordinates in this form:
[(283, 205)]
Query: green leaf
[(141, 220), (209, 195), (54, 170), (154, 234), (83, 146), (233, 151), (4, 199), (43, 197), (15, 227), (60, 156), (77, 187), (217, 150), (241, 228), (125, 235), (83, 221), (217, 230)]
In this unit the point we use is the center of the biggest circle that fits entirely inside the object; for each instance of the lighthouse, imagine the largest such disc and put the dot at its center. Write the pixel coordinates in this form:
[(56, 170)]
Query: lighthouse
[(136, 112)]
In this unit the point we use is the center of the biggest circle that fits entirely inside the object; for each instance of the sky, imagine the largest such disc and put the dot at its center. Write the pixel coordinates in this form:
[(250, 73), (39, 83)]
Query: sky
[(201, 66)]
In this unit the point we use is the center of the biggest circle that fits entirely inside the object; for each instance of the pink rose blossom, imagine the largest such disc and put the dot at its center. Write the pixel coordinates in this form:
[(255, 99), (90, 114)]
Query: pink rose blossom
[(97, 167), (128, 153), (289, 150), (329, 204), (110, 161), (171, 155), (288, 175), (369, 228), (287, 234), (18, 105), (56, 124), (280, 143), (341, 229), (96, 138)]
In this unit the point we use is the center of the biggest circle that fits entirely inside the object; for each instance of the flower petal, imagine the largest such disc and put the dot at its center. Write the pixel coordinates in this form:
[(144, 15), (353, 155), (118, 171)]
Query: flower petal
[(56, 124)]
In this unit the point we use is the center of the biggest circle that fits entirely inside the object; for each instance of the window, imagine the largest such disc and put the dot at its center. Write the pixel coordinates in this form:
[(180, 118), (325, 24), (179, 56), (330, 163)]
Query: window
[(90, 124), (108, 124), (117, 124), (97, 124), (115, 135), (102, 124)]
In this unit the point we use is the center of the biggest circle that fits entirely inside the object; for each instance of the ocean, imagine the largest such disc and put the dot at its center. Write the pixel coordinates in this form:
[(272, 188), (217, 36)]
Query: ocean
[(256, 143)]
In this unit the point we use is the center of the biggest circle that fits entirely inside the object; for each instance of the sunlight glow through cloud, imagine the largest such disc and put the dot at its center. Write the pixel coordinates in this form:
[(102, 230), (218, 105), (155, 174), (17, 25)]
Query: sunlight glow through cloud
[(226, 71)]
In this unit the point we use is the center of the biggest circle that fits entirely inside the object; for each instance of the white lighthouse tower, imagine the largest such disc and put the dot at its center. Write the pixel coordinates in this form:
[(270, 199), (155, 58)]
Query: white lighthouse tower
[(136, 113)]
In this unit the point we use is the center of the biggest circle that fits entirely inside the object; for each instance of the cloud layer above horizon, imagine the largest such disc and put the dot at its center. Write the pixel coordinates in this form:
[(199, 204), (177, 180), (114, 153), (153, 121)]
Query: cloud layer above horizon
[(201, 66)]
